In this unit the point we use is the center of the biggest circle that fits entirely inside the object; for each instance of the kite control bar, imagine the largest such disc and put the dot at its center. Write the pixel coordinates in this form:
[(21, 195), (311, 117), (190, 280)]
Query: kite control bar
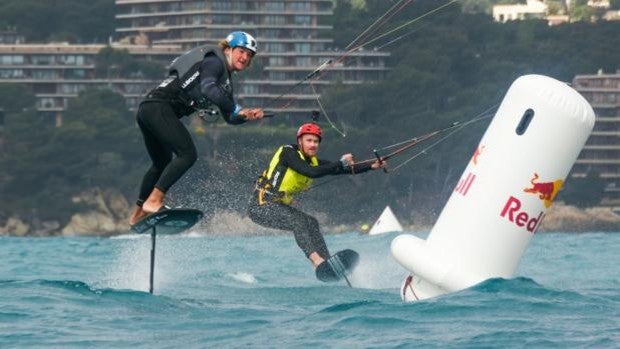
[(379, 159)]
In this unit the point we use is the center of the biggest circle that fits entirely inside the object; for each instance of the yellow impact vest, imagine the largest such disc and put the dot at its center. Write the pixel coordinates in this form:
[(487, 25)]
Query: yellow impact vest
[(283, 182)]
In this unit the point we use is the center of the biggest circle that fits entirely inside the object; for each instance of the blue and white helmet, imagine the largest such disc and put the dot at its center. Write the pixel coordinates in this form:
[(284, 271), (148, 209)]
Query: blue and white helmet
[(241, 39)]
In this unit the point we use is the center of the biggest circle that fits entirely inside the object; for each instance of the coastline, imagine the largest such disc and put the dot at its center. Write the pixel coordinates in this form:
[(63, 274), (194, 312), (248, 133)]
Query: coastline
[(562, 218), (110, 219)]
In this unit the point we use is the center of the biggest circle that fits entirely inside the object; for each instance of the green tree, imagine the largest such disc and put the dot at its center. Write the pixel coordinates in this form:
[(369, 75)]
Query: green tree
[(22, 180), (448, 67), (114, 63), (345, 18), (580, 11), (16, 97), (556, 7), (96, 146), (108, 140), (452, 68)]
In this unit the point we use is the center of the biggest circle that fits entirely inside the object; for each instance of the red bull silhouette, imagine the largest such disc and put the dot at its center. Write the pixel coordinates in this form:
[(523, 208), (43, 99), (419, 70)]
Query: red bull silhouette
[(547, 191), (477, 153)]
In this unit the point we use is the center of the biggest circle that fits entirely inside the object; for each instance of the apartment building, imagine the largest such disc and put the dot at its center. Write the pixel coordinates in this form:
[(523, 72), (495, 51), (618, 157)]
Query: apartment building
[(57, 72), (294, 38), (602, 151)]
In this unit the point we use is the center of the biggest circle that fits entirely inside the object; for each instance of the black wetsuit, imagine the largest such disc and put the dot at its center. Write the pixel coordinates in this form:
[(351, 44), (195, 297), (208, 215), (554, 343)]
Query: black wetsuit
[(164, 134), (277, 215)]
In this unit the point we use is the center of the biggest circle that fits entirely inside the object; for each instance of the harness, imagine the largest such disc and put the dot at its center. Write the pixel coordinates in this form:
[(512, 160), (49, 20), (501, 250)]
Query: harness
[(182, 86)]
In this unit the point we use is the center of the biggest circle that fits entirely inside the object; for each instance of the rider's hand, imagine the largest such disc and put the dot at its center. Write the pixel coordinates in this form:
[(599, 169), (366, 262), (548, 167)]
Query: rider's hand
[(347, 159), (252, 114), (377, 165)]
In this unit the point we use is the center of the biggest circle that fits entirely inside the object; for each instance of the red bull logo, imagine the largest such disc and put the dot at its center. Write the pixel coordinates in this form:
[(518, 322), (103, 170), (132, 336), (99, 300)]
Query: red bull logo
[(547, 191)]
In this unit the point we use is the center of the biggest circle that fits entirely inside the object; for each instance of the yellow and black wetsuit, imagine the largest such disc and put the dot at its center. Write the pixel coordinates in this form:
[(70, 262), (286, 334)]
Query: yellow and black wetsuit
[(289, 173)]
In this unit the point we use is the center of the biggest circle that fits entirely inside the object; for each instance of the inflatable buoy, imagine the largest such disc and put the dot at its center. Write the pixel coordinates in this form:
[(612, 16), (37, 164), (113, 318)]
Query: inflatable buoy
[(500, 200)]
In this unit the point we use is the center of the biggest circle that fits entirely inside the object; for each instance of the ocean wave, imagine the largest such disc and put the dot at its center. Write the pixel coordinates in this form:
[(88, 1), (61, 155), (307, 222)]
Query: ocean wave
[(347, 306), (67, 285), (524, 288)]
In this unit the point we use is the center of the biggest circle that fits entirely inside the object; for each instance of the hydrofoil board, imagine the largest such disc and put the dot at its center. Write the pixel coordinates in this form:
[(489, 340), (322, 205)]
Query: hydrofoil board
[(168, 221), (338, 266)]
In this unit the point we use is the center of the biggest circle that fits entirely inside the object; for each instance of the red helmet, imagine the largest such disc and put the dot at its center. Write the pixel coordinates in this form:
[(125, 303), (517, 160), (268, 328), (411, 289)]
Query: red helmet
[(310, 128)]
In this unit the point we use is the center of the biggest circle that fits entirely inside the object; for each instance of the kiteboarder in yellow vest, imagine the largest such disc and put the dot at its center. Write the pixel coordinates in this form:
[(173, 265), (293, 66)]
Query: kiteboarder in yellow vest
[(290, 172)]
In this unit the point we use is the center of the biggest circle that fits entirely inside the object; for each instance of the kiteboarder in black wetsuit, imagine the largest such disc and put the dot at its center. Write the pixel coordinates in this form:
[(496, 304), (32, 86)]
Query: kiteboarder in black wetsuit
[(291, 171), (198, 80)]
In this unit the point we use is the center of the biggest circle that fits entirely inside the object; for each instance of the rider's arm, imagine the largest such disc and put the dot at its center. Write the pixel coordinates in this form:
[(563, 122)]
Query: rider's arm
[(212, 69), (324, 168), (293, 160)]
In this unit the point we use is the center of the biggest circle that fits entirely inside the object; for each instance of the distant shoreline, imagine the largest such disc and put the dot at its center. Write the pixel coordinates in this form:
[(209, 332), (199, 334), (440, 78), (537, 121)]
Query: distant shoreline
[(559, 218)]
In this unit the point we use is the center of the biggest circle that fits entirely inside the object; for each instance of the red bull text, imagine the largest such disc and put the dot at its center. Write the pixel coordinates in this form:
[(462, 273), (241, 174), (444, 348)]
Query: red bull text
[(512, 211), (464, 184)]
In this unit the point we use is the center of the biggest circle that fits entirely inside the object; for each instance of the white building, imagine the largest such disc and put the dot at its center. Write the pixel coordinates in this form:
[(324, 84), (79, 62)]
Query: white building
[(532, 9)]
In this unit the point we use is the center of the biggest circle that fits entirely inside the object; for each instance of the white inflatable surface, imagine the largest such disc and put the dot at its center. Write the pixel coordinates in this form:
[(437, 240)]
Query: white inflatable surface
[(501, 198)]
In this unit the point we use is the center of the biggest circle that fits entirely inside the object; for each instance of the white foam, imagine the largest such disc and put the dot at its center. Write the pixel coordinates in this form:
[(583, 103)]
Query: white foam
[(243, 277), (130, 270), (128, 236), (375, 272)]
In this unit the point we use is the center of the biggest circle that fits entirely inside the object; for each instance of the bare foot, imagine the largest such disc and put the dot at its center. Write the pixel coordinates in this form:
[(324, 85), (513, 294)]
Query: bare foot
[(154, 202), (315, 259), (149, 208), (137, 215)]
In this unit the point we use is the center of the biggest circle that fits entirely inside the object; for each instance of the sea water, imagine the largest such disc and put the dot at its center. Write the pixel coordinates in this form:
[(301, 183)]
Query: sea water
[(260, 292)]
